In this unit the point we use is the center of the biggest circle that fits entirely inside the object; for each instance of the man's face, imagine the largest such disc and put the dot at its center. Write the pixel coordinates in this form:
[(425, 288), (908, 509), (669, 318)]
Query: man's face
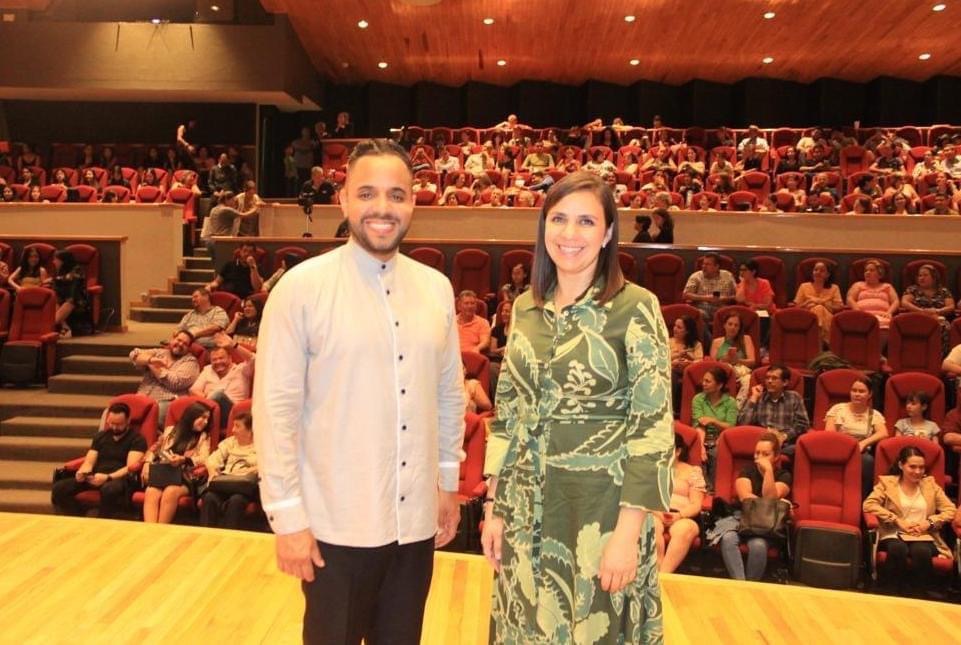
[(179, 344), (220, 361), (246, 251), (709, 267), (199, 300), (378, 203), (116, 423), (773, 382), (467, 306), (223, 160)]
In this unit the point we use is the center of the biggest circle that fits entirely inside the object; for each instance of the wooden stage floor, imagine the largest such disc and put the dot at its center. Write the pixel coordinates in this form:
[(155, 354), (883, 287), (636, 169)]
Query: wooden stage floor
[(73, 580)]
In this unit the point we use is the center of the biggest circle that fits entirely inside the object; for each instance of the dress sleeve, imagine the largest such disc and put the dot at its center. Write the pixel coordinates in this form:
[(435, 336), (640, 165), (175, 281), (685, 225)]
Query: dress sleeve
[(507, 402), (648, 467)]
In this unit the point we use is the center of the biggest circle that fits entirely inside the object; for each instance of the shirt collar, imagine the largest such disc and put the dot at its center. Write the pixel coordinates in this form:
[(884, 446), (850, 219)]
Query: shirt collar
[(587, 299), (367, 263)]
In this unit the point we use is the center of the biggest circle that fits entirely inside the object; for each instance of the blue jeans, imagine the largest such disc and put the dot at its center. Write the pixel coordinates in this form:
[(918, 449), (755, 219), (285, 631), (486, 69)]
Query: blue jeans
[(756, 556), (222, 400)]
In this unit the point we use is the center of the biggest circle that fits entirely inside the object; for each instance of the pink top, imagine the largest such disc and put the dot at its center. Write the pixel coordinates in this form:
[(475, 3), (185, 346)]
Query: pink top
[(683, 487), (874, 300), (761, 292)]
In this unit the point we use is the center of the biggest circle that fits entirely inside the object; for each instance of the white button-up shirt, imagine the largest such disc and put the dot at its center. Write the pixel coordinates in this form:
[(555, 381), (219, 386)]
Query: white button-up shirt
[(358, 399)]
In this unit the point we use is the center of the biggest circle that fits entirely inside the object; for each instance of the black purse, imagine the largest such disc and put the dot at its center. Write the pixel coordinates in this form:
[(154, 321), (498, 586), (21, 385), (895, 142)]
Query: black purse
[(228, 485), (163, 474), (764, 517)]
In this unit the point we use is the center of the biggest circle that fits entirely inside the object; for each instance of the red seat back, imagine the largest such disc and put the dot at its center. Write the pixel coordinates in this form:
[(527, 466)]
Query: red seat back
[(279, 254), (46, 252), (143, 414), (887, 450), (742, 200), (909, 274), (237, 409), (691, 384), (226, 301), (831, 387), (899, 386), (692, 440), (795, 337), (89, 257), (856, 270), (755, 182), (5, 299), (149, 195), (6, 256), (34, 309), (914, 344), (827, 478), (510, 259), (430, 256), (53, 193), (803, 269), (771, 268), (475, 444), (628, 265), (671, 313), (664, 276), (472, 270), (735, 451), (179, 405), (122, 193), (477, 366), (856, 337)]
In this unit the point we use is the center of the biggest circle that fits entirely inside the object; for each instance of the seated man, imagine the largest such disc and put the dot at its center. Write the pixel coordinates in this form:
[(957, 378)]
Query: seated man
[(710, 289), (204, 320), (240, 276), (223, 380), (942, 206), (113, 451), (222, 178), (423, 182), (538, 159), (480, 160), (168, 371), (774, 407), (474, 331), (753, 138)]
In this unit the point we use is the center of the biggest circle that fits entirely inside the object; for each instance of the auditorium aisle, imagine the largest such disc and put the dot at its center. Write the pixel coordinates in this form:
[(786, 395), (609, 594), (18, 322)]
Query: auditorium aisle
[(170, 307)]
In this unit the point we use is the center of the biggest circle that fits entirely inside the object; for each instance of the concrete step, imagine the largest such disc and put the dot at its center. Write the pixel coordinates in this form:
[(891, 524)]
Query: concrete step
[(106, 365), (201, 251), (28, 475), (25, 501), (170, 301), (197, 275), (157, 314), (41, 403), (198, 263), (114, 350), (185, 288), (93, 384), (43, 448), (66, 427)]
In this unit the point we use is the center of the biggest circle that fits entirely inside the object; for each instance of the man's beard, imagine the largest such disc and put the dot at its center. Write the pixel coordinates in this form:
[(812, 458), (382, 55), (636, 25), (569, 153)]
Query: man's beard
[(360, 234)]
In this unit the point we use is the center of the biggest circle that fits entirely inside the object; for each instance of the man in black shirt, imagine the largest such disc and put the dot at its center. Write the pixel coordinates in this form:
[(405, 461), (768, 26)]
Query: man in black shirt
[(113, 451), (316, 190), (241, 276), (223, 176)]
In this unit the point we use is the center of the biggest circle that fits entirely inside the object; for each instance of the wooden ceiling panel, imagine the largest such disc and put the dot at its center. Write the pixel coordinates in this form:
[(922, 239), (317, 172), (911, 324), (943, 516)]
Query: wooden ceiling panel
[(571, 41)]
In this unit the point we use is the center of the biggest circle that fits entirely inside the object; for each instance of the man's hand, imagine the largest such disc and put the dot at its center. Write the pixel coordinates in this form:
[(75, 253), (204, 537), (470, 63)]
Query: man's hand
[(756, 393), (298, 554), (98, 480), (448, 517)]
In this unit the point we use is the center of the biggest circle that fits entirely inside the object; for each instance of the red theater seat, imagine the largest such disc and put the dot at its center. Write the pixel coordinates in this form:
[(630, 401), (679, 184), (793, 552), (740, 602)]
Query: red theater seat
[(856, 337), (750, 323), (430, 256), (628, 265), (856, 270), (89, 258), (803, 269), (691, 384), (32, 325), (831, 387), (755, 182), (742, 200), (664, 277), (795, 338), (477, 366), (279, 254), (472, 270), (46, 252), (671, 313), (899, 386), (510, 259), (226, 301), (914, 344), (122, 193), (53, 193), (149, 195), (771, 268)]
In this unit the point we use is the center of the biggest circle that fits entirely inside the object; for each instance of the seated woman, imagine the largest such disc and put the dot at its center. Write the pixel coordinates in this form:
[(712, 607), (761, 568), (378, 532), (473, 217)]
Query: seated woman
[(35, 196), (911, 509), (30, 273), (691, 164), (721, 165), (520, 282), (501, 330), (753, 292), (569, 162), (901, 205), (7, 195), (789, 162), (792, 188), (183, 446), (762, 479), (235, 457), (713, 411), (599, 163), (70, 285), (187, 180), (631, 163), (88, 178), (475, 398), (856, 418), (862, 206), (896, 184), (59, 178), (245, 325), (681, 520), (117, 178), (703, 203), (917, 423), (737, 350), (873, 296), (821, 297), (927, 296), (685, 349), (460, 183)]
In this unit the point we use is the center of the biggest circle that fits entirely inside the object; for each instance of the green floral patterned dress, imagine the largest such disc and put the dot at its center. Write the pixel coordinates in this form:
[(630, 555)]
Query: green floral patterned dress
[(584, 427)]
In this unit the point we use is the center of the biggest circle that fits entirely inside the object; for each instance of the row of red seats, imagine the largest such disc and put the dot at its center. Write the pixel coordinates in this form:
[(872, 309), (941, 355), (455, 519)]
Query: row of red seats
[(102, 176)]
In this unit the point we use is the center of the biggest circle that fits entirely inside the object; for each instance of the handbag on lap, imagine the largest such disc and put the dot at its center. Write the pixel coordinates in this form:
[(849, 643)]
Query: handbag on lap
[(764, 517), (227, 485)]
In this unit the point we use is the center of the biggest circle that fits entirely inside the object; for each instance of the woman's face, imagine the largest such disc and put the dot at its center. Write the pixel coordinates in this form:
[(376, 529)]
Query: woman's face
[(33, 258), (574, 233), (764, 450), (679, 329), (871, 273), (57, 263), (250, 310), (517, 275), (913, 468), (452, 200), (914, 408), (732, 326), (925, 279), (200, 423), (704, 202), (60, 177), (860, 393), (820, 271), (745, 272), (35, 193), (505, 315), (709, 383), (900, 201), (7, 194), (88, 176), (691, 155), (791, 182)]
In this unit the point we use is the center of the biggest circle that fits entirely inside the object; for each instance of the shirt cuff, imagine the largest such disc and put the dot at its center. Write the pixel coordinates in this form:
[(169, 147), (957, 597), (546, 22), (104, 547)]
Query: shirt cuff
[(449, 478), (287, 516)]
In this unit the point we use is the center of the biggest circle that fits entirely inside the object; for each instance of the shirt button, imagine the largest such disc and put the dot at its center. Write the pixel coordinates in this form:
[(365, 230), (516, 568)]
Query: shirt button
[(401, 357), (403, 427), (396, 324), (403, 391), (403, 463), (402, 498), (383, 266), (388, 292)]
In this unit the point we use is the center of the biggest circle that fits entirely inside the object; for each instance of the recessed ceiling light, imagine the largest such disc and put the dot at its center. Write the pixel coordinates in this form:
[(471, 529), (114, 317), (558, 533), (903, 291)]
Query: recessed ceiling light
[(215, 7), (767, 60), (924, 56), (769, 15), (939, 7), (630, 18), (501, 63), (488, 21), (363, 24), (382, 64), (635, 61)]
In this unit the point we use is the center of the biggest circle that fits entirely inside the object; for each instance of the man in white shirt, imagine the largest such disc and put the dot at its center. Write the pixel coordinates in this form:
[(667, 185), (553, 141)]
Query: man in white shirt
[(753, 136), (359, 405), (223, 380)]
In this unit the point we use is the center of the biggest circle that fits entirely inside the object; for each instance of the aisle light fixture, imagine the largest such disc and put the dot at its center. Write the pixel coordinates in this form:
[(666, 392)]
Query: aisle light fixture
[(382, 64), (635, 61), (501, 63), (630, 18), (924, 56), (215, 8), (939, 7), (363, 24), (488, 21), (767, 60), (769, 15)]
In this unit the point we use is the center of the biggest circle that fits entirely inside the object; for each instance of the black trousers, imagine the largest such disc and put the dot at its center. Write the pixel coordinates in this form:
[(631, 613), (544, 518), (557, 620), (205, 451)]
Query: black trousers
[(897, 574), (376, 594), (113, 497), (223, 512)]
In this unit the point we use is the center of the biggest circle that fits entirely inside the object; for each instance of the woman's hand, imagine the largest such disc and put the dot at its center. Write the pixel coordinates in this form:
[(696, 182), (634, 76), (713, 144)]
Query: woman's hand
[(618, 563), (145, 473), (904, 526), (491, 540)]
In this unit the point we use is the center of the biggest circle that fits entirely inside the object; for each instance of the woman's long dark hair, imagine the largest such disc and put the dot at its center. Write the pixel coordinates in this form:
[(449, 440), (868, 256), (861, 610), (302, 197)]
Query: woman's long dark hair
[(544, 271), (26, 271), (184, 436), (739, 339), (690, 331), (67, 262), (906, 453)]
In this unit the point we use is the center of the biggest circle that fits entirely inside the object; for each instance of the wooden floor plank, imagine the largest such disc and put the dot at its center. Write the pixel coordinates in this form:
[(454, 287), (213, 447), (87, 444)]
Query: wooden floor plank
[(78, 580)]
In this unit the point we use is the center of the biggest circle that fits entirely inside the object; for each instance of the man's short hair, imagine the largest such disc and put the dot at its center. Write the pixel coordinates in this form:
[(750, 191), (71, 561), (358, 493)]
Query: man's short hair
[(714, 257), (119, 408), (376, 148), (218, 349), (204, 291), (785, 371), (187, 334), (466, 293), (247, 419)]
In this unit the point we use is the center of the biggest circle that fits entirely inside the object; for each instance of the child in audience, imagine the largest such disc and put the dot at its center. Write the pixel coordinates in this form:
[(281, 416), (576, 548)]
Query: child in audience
[(917, 424), (236, 456)]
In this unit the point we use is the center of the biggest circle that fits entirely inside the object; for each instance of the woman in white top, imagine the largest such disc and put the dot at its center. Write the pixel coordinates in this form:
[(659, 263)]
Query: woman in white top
[(917, 423), (681, 521), (858, 419), (235, 456)]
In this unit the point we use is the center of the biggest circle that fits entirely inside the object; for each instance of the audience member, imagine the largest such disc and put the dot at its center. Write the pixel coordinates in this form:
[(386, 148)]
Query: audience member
[(691, 164), (661, 229), (304, 148), (776, 408), (820, 296), (911, 509), (873, 296), (70, 285), (942, 206), (245, 326), (247, 201), (917, 423), (241, 275), (685, 349), (117, 179), (753, 292), (28, 157), (501, 330), (168, 371), (753, 138), (113, 452), (27, 178), (445, 163), (710, 288), (180, 448), (519, 283), (685, 507), (570, 163), (480, 160), (344, 128), (927, 296), (856, 418), (231, 477), (223, 380), (36, 195), (222, 178), (713, 411), (599, 163), (736, 349), (223, 219), (474, 331), (539, 159), (789, 162), (900, 204), (4, 274), (30, 273), (205, 320), (764, 479), (476, 400), (8, 195)]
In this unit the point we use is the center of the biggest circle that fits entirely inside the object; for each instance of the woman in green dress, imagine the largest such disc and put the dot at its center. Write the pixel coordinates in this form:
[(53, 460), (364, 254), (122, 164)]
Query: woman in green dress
[(583, 445)]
